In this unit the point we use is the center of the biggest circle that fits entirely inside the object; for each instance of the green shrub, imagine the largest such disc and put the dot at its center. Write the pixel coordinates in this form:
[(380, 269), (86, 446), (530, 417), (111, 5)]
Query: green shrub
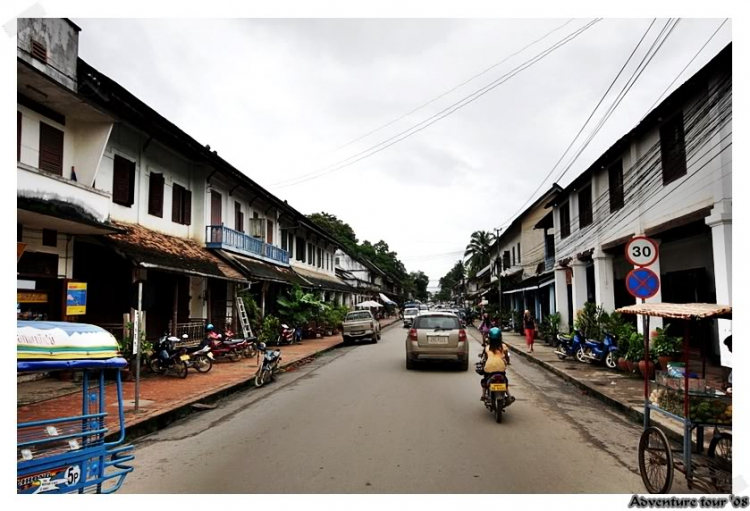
[(270, 329), (665, 345)]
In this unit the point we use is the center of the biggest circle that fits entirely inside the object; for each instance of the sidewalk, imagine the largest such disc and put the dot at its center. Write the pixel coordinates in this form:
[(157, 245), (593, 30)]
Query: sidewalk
[(621, 391), (163, 399)]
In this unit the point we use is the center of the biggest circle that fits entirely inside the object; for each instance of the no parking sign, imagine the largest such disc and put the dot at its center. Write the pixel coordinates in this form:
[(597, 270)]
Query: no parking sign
[(642, 282)]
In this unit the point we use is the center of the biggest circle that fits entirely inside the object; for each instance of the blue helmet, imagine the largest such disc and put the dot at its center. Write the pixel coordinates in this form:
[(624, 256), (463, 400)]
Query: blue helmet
[(209, 327), (495, 333)]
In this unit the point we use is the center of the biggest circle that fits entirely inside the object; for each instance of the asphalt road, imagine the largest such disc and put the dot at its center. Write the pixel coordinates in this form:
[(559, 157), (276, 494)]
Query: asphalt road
[(356, 421)]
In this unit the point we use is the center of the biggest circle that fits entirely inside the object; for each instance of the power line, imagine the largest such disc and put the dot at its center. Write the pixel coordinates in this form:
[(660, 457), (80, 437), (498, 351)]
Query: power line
[(443, 113), (688, 64), (407, 114), (584, 124)]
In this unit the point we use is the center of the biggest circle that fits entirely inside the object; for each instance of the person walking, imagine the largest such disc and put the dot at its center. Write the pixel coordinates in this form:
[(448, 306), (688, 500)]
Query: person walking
[(529, 326), (485, 327)]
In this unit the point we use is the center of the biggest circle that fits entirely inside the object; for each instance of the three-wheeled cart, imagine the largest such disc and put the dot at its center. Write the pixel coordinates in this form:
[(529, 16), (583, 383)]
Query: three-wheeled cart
[(689, 401), (69, 454)]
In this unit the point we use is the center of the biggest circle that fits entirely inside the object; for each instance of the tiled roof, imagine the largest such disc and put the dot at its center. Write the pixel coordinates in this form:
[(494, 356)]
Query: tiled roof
[(158, 250)]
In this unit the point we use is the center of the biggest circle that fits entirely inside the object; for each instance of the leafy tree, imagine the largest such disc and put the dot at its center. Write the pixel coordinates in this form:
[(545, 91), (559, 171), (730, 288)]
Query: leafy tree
[(478, 250), (421, 281), (340, 230), (446, 283), (298, 307)]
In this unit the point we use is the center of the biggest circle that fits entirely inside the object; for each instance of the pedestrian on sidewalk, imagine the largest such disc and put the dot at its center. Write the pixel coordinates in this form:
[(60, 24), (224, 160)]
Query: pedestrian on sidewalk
[(485, 327), (529, 326)]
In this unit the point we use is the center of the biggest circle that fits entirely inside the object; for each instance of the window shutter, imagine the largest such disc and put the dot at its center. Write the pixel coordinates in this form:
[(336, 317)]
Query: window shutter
[(156, 195), (176, 203), (616, 190), (565, 220), (239, 219), (123, 182), (673, 157), (187, 206), (50, 149), (269, 229), (585, 212)]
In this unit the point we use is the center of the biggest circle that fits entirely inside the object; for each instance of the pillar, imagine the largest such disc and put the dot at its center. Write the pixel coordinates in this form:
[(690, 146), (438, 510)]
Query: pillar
[(720, 222), (604, 276), (580, 291), (561, 297)]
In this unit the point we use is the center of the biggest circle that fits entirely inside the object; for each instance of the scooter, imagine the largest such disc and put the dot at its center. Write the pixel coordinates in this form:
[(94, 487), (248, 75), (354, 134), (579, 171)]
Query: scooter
[(286, 336), (570, 346), (269, 365), (201, 358), (495, 391), (167, 357), (601, 351), (246, 346)]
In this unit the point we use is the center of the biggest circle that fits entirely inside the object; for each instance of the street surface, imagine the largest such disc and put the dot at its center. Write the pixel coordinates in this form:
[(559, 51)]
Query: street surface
[(356, 421)]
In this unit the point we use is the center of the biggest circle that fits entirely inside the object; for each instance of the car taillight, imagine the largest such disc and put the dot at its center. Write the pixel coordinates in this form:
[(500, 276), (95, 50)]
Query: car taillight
[(372, 325), (462, 335), (413, 334)]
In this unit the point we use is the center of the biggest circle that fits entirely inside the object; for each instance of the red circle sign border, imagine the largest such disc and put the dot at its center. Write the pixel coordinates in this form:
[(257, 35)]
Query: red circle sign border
[(627, 251), (656, 290)]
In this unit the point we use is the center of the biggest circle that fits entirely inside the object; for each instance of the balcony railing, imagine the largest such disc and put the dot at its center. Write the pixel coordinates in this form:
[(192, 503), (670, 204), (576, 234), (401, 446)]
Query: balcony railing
[(219, 236)]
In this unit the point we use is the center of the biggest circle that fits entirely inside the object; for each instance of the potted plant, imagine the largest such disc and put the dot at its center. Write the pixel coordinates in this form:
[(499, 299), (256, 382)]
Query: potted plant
[(125, 346), (549, 328), (665, 347), (635, 351)]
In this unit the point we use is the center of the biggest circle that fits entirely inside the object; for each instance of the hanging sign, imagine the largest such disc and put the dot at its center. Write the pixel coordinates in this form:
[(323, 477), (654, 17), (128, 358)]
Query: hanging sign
[(642, 283), (641, 251), (75, 300), (31, 297)]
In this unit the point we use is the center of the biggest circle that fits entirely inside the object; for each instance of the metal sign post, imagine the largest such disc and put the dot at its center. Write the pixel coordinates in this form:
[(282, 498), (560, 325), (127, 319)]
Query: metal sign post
[(136, 344)]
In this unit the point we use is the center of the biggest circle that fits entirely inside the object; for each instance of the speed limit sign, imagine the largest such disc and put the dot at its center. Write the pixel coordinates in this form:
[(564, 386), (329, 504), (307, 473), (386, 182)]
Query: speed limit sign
[(641, 251)]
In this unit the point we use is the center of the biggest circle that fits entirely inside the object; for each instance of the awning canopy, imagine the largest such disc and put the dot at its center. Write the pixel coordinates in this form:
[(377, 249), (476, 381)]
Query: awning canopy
[(386, 299), (323, 281), (151, 249), (60, 216), (256, 270), (679, 310)]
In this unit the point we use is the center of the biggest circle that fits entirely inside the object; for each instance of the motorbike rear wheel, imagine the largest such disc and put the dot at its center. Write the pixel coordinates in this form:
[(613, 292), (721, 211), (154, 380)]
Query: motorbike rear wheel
[(234, 356), (181, 369), (259, 378), (250, 351), (579, 356), (203, 364), (498, 405)]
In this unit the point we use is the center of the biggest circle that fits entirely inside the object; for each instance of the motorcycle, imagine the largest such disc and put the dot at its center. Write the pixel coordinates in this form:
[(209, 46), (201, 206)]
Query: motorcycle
[(245, 345), (201, 358), (570, 346), (222, 349), (269, 365), (287, 335), (600, 351), (495, 391), (167, 357)]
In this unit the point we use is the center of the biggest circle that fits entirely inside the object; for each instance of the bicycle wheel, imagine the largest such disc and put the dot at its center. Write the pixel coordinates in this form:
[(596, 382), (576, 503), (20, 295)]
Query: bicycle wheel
[(655, 461), (720, 449)]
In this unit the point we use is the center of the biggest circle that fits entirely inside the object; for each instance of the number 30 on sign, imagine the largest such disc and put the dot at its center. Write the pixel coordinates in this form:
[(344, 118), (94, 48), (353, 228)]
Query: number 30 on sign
[(642, 251)]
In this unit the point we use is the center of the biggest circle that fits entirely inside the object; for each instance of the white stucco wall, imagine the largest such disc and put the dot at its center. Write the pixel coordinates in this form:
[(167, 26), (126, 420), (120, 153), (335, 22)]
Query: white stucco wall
[(63, 250)]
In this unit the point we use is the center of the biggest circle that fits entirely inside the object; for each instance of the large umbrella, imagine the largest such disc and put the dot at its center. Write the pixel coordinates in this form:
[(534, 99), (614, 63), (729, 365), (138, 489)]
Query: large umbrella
[(369, 304)]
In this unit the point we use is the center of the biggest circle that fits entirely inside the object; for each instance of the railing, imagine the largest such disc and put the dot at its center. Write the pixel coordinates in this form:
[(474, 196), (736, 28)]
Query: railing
[(219, 236)]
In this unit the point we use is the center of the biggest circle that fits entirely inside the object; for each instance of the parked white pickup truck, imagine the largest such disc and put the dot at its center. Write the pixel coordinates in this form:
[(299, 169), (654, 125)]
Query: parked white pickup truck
[(361, 325)]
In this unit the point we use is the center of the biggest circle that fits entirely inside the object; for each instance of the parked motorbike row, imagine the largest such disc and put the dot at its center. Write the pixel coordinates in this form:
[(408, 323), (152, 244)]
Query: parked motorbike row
[(172, 356), (588, 350)]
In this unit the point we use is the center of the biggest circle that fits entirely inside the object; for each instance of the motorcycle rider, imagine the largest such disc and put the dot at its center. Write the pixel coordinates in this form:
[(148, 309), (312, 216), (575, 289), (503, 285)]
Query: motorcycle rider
[(495, 359)]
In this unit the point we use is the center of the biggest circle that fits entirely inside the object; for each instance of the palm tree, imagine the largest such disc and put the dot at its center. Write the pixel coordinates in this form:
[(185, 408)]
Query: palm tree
[(478, 249)]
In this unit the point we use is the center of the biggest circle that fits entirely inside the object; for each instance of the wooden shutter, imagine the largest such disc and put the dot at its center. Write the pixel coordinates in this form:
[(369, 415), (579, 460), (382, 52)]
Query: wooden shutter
[(616, 190), (123, 182), (50, 149), (565, 220), (177, 203), (187, 207), (156, 195), (239, 218), (673, 157), (585, 212), (216, 208), (269, 232)]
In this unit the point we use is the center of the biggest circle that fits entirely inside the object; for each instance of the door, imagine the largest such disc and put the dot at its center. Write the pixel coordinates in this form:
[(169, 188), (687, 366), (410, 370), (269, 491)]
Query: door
[(269, 232), (216, 216)]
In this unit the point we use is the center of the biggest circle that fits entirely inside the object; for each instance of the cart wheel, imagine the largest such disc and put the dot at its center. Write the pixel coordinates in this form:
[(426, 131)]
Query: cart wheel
[(655, 461), (720, 449)]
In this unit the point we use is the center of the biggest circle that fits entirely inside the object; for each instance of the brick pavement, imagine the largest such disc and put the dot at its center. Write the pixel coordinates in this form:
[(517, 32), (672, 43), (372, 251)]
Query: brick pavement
[(162, 394)]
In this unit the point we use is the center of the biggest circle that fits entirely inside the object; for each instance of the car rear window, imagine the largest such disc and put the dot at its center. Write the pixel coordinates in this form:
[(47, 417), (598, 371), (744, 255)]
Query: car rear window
[(433, 322), (411, 312), (358, 316)]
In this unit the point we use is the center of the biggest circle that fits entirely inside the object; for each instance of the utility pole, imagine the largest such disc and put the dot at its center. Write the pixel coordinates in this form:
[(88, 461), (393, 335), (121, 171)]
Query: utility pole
[(498, 265)]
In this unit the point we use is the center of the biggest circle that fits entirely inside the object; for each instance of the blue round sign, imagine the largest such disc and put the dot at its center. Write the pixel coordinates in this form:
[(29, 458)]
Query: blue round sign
[(642, 283)]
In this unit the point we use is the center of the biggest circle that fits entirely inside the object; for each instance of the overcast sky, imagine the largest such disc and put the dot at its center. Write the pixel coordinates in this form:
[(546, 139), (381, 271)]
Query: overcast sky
[(276, 98)]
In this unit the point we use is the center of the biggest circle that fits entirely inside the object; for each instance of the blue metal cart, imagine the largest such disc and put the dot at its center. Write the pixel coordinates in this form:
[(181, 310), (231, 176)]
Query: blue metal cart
[(70, 454)]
